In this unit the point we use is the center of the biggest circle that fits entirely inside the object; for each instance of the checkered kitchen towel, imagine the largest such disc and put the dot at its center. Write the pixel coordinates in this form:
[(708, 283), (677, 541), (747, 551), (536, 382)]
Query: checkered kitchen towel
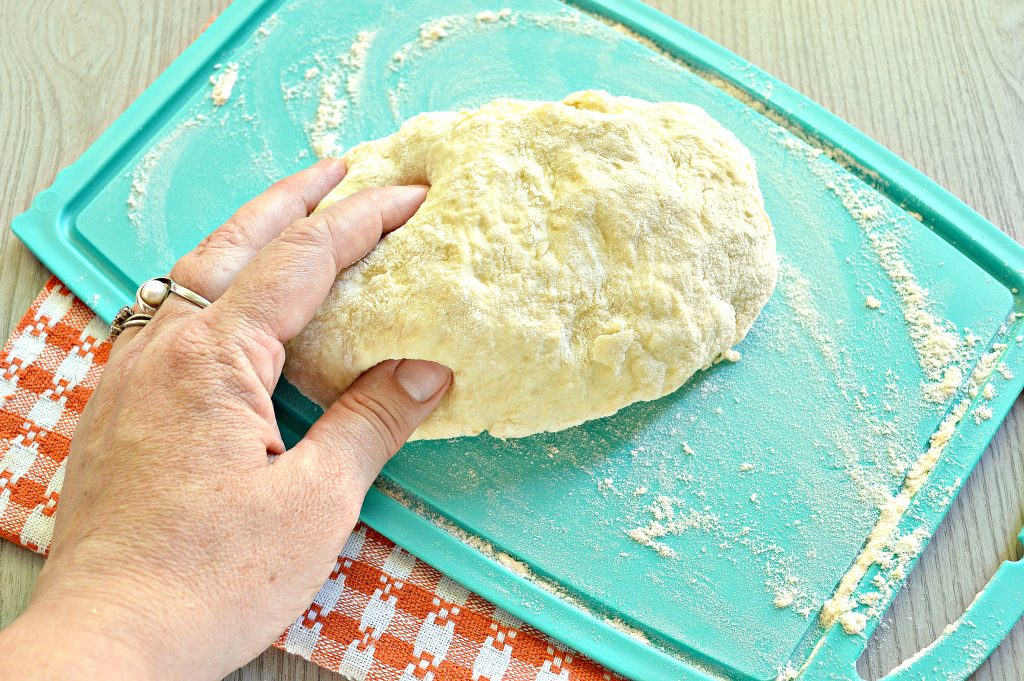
[(382, 616)]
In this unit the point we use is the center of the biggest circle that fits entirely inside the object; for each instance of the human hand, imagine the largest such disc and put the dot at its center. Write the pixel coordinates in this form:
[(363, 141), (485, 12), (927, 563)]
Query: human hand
[(182, 547)]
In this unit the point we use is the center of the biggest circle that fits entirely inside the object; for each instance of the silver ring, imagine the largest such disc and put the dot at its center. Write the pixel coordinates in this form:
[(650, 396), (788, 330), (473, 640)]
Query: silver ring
[(126, 317), (153, 293), (137, 320), (149, 297)]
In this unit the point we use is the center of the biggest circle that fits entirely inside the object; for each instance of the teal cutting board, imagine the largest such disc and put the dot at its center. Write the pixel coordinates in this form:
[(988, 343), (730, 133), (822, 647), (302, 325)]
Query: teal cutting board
[(773, 466)]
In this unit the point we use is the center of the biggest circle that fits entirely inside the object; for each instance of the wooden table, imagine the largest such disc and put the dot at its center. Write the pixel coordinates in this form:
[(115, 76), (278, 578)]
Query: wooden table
[(939, 83)]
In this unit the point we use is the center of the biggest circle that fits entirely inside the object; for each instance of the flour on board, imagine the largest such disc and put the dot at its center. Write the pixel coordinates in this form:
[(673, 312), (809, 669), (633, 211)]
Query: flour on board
[(267, 27), (937, 344), (147, 194), (982, 413), (442, 29), (491, 17), (670, 517), (942, 391), (436, 30), (877, 550), (222, 83), (339, 89)]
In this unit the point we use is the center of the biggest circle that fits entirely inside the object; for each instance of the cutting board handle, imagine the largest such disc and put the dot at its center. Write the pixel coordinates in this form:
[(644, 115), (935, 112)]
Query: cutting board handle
[(969, 641)]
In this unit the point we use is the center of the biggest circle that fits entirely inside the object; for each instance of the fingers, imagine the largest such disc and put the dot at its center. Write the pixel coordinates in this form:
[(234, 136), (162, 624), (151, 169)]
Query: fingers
[(217, 260), (209, 268), (347, 447), (281, 288)]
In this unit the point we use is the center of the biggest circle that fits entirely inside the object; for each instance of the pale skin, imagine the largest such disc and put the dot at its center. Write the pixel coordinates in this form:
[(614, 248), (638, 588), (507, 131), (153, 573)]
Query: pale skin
[(187, 538)]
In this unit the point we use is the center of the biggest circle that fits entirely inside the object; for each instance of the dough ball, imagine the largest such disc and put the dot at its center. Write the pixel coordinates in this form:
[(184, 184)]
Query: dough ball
[(571, 258)]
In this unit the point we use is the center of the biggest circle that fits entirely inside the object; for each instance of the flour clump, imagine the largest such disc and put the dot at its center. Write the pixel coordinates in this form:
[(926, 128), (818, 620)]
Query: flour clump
[(570, 258)]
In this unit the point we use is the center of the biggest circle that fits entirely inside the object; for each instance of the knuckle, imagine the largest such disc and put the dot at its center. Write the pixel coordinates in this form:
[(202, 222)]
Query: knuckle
[(190, 339), (380, 419), (194, 343), (233, 235), (291, 193), (317, 229), (263, 351), (264, 346), (373, 200), (186, 265), (196, 350), (215, 254)]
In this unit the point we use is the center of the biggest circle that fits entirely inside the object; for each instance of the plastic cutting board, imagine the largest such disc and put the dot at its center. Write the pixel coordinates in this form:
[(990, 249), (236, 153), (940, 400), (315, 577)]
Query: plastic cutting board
[(772, 466)]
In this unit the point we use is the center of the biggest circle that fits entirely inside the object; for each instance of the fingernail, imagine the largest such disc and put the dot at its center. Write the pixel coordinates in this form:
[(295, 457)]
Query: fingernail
[(422, 379)]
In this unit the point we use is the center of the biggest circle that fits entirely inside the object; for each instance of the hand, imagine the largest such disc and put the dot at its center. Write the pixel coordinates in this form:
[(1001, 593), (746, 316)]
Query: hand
[(182, 547)]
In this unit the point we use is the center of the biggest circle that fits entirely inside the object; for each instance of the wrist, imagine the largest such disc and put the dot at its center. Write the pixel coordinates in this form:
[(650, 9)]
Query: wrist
[(84, 643)]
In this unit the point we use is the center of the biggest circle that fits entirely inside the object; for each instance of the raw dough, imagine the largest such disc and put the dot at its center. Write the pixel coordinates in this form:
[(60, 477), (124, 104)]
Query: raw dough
[(570, 258)]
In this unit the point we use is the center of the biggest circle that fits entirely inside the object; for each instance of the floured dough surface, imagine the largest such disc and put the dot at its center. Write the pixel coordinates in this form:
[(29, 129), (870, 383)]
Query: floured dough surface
[(571, 258)]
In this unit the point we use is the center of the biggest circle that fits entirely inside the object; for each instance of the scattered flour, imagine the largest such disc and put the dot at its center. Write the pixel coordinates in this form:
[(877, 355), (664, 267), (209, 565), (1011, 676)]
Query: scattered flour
[(853, 622), (783, 599), (936, 343), (883, 547), (339, 89), (491, 17), (796, 289), (670, 517), (787, 673), (943, 390), (444, 29), (434, 31), (223, 83), (149, 224), (619, 625), (872, 303), (516, 566), (267, 27)]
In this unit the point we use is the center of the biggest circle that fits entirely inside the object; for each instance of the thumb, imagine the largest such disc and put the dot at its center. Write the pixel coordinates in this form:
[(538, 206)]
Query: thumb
[(371, 420)]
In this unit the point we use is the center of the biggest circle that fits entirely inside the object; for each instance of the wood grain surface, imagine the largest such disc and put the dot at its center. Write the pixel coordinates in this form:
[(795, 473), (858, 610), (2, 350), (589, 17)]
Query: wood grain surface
[(940, 83)]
